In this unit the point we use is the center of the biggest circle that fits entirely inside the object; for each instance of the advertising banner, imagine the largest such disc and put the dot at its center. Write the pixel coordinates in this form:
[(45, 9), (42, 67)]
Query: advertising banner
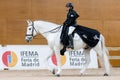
[(26, 57)]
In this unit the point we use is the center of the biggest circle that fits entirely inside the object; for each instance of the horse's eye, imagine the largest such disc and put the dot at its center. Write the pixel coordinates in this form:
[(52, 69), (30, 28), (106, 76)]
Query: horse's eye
[(29, 28)]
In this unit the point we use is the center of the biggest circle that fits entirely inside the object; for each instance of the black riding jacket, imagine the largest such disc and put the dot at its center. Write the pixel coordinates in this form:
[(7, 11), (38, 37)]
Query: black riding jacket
[(70, 21), (71, 18)]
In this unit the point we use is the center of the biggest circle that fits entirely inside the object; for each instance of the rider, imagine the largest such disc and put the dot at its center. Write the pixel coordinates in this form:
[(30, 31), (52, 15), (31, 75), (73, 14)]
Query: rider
[(69, 24)]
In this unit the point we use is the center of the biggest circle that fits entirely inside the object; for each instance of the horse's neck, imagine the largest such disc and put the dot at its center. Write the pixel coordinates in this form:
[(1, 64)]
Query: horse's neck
[(44, 27)]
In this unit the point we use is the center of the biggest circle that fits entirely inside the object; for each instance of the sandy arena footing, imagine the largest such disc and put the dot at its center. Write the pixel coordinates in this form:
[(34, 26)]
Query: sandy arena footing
[(68, 74)]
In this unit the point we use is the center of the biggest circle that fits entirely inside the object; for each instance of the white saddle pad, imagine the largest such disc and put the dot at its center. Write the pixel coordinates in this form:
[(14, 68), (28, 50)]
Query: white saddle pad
[(76, 36)]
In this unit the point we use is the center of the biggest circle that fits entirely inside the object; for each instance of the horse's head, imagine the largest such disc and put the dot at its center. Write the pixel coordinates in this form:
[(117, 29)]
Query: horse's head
[(39, 27), (31, 32)]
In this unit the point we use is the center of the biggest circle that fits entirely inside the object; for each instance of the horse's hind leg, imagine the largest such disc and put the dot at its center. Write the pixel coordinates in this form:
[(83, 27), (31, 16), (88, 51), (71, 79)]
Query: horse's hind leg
[(106, 64), (104, 61), (103, 57), (87, 57)]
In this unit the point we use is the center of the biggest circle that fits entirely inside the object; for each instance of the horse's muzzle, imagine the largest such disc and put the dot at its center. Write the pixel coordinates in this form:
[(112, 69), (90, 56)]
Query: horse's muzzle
[(28, 39)]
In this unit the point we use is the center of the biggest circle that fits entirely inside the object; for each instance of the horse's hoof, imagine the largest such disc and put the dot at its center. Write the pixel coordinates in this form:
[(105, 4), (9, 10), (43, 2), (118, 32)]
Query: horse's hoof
[(53, 72), (57, 75), (106, 74), (81, 74)]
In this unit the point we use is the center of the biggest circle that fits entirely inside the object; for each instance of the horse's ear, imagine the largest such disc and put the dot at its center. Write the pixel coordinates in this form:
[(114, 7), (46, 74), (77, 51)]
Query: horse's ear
[(29, 21)]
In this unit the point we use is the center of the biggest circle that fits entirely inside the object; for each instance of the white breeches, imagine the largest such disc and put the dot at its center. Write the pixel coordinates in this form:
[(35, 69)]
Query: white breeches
[(71, 29)]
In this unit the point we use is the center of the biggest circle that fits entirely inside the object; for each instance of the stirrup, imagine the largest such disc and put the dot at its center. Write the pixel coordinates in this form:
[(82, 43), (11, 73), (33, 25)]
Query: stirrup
[(70, 46)]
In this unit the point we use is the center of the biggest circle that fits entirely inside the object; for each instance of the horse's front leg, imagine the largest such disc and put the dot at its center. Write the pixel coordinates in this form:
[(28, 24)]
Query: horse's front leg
[(50, 68), (57, 53)]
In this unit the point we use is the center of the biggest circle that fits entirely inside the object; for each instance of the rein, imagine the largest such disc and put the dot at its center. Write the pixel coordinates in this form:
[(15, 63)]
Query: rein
[(53, 30)]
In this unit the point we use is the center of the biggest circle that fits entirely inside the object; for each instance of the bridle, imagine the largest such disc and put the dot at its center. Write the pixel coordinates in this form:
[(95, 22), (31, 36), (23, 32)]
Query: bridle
[(33, 29)]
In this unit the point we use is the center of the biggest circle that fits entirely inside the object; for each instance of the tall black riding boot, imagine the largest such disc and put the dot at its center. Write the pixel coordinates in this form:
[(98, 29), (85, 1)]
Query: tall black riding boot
[(62, 51), (71, 45)]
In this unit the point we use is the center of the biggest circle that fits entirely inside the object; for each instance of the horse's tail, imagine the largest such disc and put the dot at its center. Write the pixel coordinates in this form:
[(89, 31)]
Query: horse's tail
[(103, 45), (105, 54)]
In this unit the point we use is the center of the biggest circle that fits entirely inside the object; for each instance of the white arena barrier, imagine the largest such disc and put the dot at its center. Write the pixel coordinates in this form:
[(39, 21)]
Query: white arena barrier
[(29, 57)]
